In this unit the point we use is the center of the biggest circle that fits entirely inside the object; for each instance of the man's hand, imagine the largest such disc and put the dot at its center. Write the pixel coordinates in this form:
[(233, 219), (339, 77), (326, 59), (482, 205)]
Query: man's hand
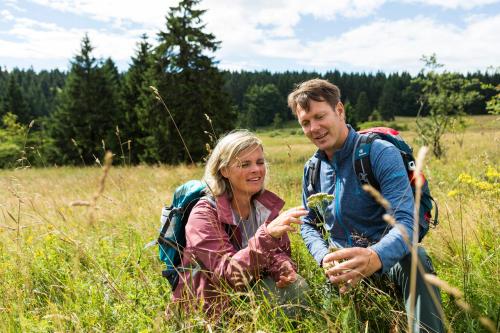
[(348, 266), (287, 275)]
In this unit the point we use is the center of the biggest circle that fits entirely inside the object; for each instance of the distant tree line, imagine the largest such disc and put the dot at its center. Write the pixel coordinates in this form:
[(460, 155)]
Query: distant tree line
[(381, 96), (173, 101)]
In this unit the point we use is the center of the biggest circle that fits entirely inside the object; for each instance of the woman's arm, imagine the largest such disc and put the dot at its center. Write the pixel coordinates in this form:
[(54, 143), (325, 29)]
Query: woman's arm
[(208, 243)]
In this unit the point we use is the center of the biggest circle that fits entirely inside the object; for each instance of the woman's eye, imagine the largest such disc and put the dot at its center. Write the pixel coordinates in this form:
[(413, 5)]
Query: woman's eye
[(245, 165)]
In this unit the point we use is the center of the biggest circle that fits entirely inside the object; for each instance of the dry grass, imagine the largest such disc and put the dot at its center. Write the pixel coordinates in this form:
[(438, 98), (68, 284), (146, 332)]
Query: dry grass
[(61, 272)]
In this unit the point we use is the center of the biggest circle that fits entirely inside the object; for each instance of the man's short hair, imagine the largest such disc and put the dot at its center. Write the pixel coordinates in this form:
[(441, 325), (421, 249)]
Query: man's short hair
[(317, 90)]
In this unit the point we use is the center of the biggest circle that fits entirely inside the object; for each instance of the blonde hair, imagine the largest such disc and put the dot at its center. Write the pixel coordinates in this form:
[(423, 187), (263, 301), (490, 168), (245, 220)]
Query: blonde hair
[(225, 152)]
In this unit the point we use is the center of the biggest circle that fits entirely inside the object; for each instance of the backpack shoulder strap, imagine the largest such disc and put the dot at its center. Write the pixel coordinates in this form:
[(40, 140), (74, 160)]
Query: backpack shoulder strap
[(314, 166), (167, 213), (361, 160), (210, 199)]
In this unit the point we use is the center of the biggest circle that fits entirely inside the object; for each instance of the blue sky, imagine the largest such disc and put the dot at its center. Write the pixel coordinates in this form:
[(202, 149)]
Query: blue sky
[(277, 35)]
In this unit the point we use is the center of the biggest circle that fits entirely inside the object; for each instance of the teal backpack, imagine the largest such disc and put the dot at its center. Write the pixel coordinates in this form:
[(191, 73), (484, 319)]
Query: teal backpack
[(172, 239)]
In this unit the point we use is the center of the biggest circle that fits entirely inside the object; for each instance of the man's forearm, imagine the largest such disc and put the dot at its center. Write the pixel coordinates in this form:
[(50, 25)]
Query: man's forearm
[(314, 241)]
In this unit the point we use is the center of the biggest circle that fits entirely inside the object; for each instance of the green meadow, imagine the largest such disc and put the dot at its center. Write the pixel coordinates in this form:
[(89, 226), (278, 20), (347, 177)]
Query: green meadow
[(84, 267)]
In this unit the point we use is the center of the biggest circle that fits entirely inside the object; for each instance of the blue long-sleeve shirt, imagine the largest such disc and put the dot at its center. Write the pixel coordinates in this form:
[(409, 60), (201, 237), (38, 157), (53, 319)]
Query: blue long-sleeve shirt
[(353, 218)]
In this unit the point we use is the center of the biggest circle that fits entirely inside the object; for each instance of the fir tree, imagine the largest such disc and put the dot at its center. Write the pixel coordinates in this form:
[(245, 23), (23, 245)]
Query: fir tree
[(363, 109), (190, 84), (136, 84), (351, 115), (389, 101), (15, 102), (84, 122)]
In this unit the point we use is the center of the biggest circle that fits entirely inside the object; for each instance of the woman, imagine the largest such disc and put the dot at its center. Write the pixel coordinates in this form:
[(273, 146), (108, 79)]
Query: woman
[(235, 237)]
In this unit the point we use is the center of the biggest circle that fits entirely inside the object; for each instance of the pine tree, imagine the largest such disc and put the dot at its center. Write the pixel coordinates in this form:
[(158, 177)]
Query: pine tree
[(191, 86), (15, 102), (84, 122), (351, 114), (363, 109), (389, 101), (135, 83)]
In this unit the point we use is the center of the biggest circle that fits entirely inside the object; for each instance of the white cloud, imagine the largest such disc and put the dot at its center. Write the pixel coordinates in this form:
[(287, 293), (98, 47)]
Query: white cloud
[(252, 30), (149, 13), (13, 4), (398, 45), (42, 40), (455, 4), (6, 15)]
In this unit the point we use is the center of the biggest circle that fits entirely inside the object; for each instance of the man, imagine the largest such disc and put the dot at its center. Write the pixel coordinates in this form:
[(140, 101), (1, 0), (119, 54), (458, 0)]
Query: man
[(353, 220)]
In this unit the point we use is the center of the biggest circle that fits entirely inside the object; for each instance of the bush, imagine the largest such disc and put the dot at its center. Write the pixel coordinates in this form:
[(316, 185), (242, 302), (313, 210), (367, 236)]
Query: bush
[(19, 147)]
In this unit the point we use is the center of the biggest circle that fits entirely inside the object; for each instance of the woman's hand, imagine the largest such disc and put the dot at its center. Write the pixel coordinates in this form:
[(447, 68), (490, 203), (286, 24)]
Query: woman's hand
[(287, 275), (282, 223)]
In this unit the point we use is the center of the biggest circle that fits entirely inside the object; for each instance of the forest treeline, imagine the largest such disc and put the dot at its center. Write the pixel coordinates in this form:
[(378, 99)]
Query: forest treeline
[(56, 117)]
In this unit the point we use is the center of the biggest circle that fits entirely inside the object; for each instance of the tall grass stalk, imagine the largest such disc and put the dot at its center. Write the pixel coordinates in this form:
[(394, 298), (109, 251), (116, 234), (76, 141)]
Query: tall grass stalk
[(159, 98), (24, 154), (414, 254), (122, 157)]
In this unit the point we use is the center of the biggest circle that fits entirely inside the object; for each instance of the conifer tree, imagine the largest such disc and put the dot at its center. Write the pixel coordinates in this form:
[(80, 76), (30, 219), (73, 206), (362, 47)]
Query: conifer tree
[(136, 80), (389, 101), (191, 86), (363, 109), (351, 115), (84, 122), (15, 102)]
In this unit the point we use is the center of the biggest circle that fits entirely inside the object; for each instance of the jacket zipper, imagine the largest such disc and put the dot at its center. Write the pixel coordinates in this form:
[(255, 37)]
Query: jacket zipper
[(337, 210)]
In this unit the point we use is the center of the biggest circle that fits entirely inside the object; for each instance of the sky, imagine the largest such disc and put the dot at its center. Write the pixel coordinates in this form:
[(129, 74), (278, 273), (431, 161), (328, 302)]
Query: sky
[(274, 35)]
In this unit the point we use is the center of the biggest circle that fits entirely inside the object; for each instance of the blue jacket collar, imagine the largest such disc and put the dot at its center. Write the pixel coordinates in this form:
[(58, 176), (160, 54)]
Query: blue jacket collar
[(340, 155)]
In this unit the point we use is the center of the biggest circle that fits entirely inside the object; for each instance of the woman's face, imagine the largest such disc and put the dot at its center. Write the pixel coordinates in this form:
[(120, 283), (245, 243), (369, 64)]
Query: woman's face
[(246, 173)]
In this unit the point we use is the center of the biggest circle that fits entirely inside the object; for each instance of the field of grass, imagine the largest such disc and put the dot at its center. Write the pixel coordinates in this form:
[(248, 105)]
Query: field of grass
[(84, 268)]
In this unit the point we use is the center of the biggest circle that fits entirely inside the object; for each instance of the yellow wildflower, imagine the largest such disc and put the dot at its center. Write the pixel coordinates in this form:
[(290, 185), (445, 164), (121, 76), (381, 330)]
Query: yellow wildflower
[(484, 186), (465, 178), (454, 193), (492, 174)]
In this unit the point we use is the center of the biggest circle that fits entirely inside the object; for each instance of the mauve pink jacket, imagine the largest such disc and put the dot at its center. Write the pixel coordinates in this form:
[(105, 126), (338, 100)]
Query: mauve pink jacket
[(213, 240)]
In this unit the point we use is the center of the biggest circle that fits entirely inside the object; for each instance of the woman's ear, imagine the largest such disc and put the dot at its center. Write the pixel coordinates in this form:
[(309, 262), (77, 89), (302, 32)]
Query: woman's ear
[(224, 172)]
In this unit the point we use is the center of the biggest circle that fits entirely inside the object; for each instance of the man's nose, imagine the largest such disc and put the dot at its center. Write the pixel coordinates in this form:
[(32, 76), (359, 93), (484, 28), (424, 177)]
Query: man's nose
[(314, 125)]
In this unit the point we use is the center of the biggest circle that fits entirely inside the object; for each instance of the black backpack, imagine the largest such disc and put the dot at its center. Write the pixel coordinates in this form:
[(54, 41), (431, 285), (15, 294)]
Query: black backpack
[(364, 172)]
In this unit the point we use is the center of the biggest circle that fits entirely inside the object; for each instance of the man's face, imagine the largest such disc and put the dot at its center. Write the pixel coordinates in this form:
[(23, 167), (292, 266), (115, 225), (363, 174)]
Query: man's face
[(324, 126)]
